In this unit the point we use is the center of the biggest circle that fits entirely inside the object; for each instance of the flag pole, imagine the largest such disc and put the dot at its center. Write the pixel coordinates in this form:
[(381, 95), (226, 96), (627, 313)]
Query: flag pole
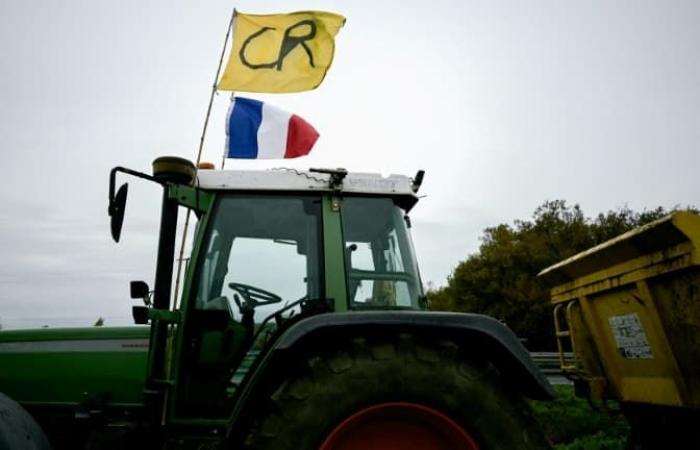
[(213, 86), (199, 155), (223, 158)]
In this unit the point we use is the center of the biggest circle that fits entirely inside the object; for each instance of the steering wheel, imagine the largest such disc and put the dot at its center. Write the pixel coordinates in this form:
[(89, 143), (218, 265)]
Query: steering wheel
[(253, 296)]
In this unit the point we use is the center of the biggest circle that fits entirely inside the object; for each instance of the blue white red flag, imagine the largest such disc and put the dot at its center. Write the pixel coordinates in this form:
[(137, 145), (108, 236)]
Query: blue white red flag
[(257, 130)]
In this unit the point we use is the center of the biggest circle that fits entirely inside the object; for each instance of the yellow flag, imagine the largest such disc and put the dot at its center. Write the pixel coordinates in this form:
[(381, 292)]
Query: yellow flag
[(280, 52)]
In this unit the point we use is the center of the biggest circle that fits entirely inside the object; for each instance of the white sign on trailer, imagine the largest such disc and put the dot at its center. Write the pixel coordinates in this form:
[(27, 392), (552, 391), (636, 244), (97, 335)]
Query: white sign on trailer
[(630, 338)]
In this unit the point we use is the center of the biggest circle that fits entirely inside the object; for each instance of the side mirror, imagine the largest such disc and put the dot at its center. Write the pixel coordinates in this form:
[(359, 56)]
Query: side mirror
[(139, 289), (116, 211), (140, 315)]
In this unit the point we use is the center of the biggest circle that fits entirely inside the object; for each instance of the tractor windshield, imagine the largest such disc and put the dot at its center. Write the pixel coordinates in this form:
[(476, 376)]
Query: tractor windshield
[(379, 258), (262, 253)]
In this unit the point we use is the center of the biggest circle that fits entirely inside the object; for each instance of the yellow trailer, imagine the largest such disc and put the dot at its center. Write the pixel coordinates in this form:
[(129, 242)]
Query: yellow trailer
[(629, 310)]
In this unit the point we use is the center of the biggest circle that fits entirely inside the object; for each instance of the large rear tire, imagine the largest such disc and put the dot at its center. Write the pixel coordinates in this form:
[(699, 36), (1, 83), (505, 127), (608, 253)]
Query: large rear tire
[(397, 393), (18, 430)]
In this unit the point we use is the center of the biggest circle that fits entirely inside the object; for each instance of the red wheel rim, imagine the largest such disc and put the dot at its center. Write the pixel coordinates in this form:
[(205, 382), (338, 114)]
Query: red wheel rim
[(398, 426)]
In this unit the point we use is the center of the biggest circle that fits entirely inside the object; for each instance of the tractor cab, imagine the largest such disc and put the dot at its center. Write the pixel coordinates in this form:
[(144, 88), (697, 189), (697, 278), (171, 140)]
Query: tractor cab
[(269, 249), (278, 246), (278, 238)]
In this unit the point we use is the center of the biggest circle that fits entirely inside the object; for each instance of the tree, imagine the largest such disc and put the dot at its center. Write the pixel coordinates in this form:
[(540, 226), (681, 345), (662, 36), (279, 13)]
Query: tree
[(500, 280)]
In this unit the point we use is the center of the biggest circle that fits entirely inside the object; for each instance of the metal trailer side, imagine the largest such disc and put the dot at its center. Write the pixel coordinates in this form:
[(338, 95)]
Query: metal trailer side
[(630, 311)]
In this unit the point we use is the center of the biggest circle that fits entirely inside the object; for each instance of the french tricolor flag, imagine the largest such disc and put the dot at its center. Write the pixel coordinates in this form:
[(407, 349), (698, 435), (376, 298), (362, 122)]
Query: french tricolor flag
[(257, 130)]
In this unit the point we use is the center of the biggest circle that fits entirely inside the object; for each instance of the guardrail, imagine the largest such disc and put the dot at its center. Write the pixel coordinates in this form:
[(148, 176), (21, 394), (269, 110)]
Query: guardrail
[(548, 362)]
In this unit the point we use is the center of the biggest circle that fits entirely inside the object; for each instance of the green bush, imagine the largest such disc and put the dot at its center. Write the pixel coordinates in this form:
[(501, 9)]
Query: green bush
[(571, 423)]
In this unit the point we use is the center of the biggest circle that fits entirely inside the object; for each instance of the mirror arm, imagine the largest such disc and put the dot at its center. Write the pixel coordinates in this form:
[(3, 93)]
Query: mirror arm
[(117, 200), (113, 176)]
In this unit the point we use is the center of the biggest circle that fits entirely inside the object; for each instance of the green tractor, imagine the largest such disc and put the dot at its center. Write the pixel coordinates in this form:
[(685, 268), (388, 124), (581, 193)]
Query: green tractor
[(300, 326)]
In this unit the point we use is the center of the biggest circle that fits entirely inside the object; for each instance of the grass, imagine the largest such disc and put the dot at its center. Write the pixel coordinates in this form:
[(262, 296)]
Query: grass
[(571, 423)]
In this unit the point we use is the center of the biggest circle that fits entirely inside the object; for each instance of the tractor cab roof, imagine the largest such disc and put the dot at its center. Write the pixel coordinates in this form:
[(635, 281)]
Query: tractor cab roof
[(400, 187)]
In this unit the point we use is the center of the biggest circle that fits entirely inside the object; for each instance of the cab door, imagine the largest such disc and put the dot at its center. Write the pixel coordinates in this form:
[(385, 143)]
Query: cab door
[(257, 255)]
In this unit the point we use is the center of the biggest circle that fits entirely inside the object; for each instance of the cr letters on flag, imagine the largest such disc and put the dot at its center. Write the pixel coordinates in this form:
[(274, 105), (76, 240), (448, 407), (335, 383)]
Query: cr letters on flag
[(257, 130), (280, 52)]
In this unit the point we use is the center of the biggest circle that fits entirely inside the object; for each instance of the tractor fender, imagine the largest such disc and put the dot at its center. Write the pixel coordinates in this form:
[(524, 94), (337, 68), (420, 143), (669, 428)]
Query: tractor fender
[(478, 334), (481, 336), (18, 430)]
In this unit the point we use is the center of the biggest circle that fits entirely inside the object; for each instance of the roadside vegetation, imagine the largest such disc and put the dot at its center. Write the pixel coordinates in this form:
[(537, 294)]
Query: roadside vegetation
[(571, 423), (500, 280)]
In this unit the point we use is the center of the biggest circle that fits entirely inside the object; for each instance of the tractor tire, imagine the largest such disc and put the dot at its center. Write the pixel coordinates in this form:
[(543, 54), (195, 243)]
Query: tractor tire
[(18, 430), (397, 393)]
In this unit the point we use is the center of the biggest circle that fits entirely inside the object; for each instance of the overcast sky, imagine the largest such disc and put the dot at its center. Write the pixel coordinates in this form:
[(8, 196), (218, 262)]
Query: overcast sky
[(505, 104)]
